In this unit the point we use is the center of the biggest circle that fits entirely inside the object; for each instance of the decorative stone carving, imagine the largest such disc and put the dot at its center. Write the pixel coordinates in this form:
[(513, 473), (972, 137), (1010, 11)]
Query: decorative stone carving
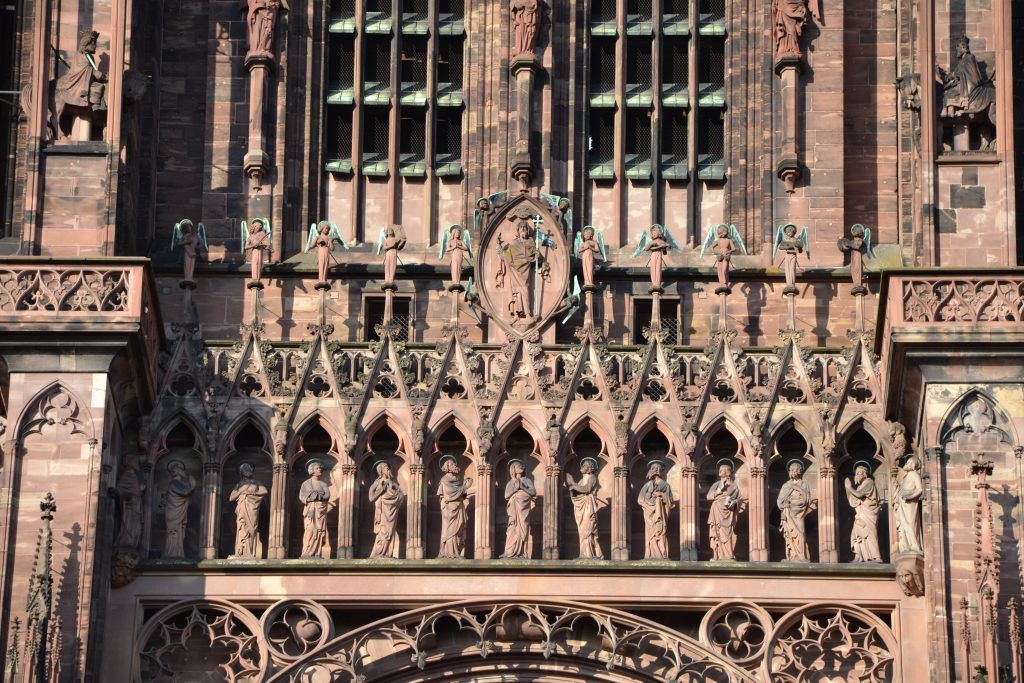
[(858, 246), (524, 266), (293, 628), (910, 573), (792, 241), (738, 630), (391, 241), (963, 300), (583, 494), (456, 243), (257, 245), (248, 496), (63, 289), (589, 248), (968, 96), (261, 20), (906, 504), (525, 18), (323, 236), (176, 499), (723, 241), (655, 500), (974, 419), (387, 497), (123, 568), (789, 18), (192, 240), (81, 91), (453, 494), (314, 495), (130, 487), (724, 495), (863, 498), (520, 494), (796, 503), (657, 240)]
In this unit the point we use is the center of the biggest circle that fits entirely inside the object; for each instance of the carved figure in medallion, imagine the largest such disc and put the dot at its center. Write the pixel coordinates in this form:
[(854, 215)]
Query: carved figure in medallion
[(858, 246), (967, 92), (723, 241), (655, 500), (583, 494), (257, 244), (247, 496), (863, 497), (192, 241), (724, 495), (386, 496), (792, 242), (456, 242), (789, 18), (525, 15), (519, 496), (176, 499), (391, 241), (906, 503), (657, 240), (129, 490), (524, 265), (795, 503), (453, 493), (589, 249), (260, 19), (323, 236), (314, 495)]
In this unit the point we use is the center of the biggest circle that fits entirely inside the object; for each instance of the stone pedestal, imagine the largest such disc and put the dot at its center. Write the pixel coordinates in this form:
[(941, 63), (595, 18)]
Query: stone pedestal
[(789, 168), (524, 72), (256, 162)]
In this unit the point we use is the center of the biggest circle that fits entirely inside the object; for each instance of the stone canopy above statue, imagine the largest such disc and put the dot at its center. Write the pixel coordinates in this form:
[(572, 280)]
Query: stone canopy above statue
[(523, 264)]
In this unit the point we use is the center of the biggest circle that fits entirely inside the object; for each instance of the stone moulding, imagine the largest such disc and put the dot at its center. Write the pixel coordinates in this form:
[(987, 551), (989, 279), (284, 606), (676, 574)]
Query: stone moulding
[(956, 299)]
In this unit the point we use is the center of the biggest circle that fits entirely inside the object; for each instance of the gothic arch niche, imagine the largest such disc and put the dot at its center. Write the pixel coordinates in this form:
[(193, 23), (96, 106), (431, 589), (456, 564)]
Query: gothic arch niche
[(520, 445), (859, 447), (315, 444), (722, 445), (789, 446), (178, 459), (587, 445), (654, 447), (383, 446), (451, 442), (249, 445), (975, 422)]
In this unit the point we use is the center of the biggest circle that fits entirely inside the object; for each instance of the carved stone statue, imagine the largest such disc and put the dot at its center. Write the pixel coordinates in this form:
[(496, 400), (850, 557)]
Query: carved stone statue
[(723, 250), (657, 240), (314, 496), (176, 499), (453, 493), (789, 18), (906, 503), (655, 500), (323, 236), (863, 497), (584, 502), (456, 243), (858, 246), (260, 19), (392, 240), (192, 241), (795, 503), (525, 15), (519, 496), (968, 94), (589, 248), (129, 490), (724, 495), (524, 263), (257, 244), (386, 496), (792, 242), (247, 496), (83, 87)]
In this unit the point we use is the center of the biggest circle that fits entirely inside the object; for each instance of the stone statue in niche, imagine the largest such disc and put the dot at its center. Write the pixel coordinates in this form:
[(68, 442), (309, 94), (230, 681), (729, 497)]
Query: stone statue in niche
[(795, 503), (583, 494), (524, 263), (589, 249), (247, 496), (314, 495), (260, 20), (176, 499), (863, 497), (969, 96), (858, 246), (391, 241), (655, 500), (792, 242), (724, 496), (129, 491), (82, 90), (323, 236), (257, 245), (386, 496), (456, 242), (906, 504), (453, 492), (657, 240), (789, 17), (192, 240), (519, 496), (525, 18)]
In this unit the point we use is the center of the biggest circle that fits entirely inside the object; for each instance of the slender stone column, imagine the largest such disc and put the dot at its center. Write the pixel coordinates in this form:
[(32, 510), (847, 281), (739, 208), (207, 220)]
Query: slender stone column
[(789, 170), (689, 505), (256, 162), (620, 515), (524, 71), (146, 468), (208, 525), (827, 549), (346, 510), (276, 548), (484, 516), (552, 495), (414, 513), (758, 515)]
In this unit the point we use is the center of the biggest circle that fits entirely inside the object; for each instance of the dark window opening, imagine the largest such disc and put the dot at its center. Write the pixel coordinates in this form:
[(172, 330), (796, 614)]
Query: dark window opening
[(676, 10), (638, 63), (639, 8), (342, 63), (642, 312), (603, 11), (414, 60), (378, 60), (401, 316), (413, 131), (712, 62), (602, 65), (674, 135), (456, 8), (339, 134), (449, 62), (375, 132), (378, 6), (712, 10), (676, 62), (449, 133), (638, 133), (602, 137), (711, 141), (414, 7)]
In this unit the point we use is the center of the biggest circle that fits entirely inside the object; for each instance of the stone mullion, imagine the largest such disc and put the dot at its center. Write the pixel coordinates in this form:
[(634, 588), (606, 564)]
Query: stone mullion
[(935, 530), (209, 528), (827, 548), (484, 513), (394, 179), (277, 550), (620, 224), (758, 515), (620, 515), (414, 513), (689, 505), (692, 188), (357, 232), (147, 507), (346, 512), (552, 479)]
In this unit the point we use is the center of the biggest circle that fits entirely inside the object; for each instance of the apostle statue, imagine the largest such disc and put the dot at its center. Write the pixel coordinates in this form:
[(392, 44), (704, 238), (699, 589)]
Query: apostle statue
[(590, 249), (655, 500), (453, 492), (176, 499), (795, 503), (906, 503), (724, 495), (519, 496), (858, 246), (863, 496), (314, 495), (391, 241), (129, 491), (789, 18), (456, 243), (257, 245), (387, 497), (525, 17), (192, 241), (260, 19), (657, 240), (792, 242), (247, 496), (583, 494)]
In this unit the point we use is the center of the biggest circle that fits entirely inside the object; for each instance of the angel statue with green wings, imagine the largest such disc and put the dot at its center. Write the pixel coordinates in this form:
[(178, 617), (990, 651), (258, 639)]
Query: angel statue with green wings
[(192, 240), (723, 241), (456, 241), (323, 235), (792, 241), (657, 240), (391, 241), (257, 241), (858, 245), (589, 247)]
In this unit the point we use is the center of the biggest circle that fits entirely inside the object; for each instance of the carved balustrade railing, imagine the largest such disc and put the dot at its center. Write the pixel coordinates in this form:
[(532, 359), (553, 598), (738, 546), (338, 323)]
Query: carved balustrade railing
[(980, 298)]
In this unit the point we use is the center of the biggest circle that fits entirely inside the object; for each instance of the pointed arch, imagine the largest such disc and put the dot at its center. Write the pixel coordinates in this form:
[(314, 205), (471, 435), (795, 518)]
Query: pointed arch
[(955, 421), (860, 423), (584, 421), (246, 417), (55, 403), (710, 429), (442, 425), (779, 429), (374, 425), (652, 423), (315, 418), (518, 420), (170, 423)]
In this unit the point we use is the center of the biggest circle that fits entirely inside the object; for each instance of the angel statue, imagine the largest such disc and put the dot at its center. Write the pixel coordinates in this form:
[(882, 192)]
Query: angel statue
[(723, 241), (192, 240), (472, 299), (657, 240), (792, 244), (392, 240), (858, 245), (259, 242), (589, 247), (572, 301), (323, 236), (456, 242)]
